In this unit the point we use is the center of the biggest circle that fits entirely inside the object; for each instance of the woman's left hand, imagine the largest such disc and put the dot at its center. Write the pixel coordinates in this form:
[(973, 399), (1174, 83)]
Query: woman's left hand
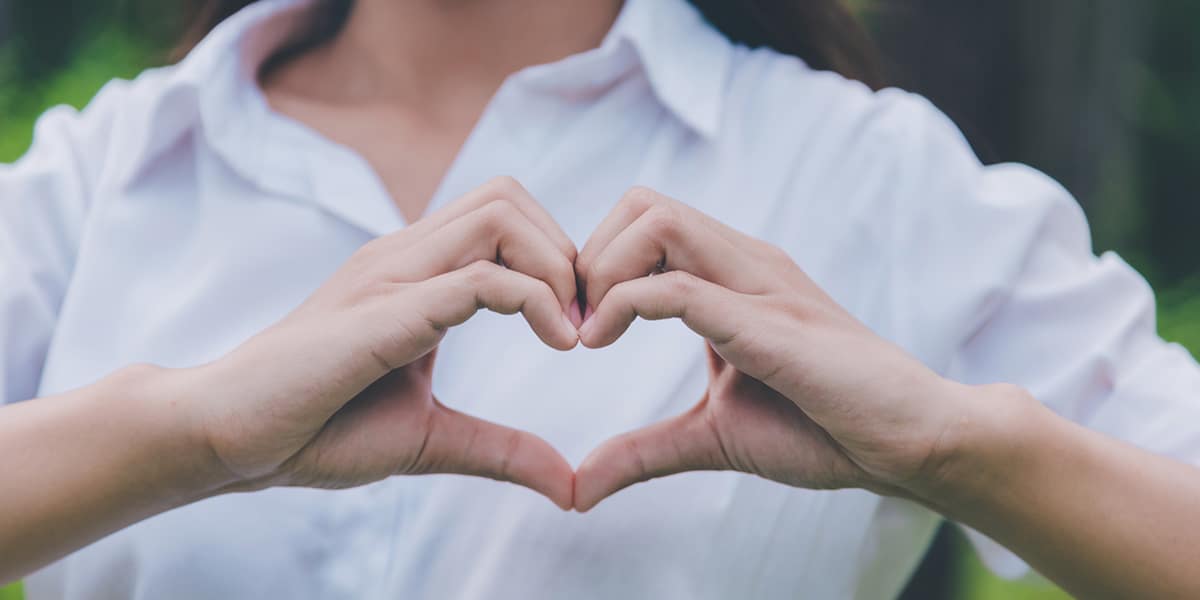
[(800, 391)]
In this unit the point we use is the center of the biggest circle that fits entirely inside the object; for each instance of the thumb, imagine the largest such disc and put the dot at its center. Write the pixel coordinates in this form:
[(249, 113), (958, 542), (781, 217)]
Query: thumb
[(716, 364), (424, 365), (687, 442), (465, 445)]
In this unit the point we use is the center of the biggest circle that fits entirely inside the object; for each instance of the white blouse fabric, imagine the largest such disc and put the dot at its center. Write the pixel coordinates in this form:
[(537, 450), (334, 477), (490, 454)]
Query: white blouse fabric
[(178, 214)]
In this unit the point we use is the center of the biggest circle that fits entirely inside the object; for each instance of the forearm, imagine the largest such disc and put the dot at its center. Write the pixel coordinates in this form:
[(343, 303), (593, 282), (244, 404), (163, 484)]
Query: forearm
[(1101, 518), (80, 465)]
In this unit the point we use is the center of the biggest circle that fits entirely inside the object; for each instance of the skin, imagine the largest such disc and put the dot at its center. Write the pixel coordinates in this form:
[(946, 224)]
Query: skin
[(336, 394), (802, 393), (799, 391), (392, 75)]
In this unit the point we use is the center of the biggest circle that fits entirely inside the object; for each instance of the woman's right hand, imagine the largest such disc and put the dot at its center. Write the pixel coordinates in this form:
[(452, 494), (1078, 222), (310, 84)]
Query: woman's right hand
[(337, 394)]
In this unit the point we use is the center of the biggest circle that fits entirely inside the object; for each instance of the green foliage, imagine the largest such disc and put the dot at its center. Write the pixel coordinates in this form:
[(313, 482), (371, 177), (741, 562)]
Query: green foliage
[(105, 56), (1179, 315), (12, 592), (976, 582)]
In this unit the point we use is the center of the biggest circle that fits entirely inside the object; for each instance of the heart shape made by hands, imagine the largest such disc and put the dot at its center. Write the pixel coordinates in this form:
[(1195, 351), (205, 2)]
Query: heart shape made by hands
[(784, 360), (345, 396)]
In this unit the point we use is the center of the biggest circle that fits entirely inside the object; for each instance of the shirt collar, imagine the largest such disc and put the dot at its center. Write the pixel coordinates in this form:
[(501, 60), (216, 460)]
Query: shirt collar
[(685, 60)]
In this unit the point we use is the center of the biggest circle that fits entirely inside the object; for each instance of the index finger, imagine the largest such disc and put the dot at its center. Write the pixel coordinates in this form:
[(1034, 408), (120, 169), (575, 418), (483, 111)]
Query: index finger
[(498, 188), (635, 203)]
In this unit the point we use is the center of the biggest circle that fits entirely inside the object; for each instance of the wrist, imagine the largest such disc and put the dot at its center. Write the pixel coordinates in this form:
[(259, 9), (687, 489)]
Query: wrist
[(183, 461), (992, 437)]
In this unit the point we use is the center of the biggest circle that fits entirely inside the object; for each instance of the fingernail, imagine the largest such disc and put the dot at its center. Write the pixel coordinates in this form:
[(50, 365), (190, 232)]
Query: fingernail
[(586, 326), (574, 315), (570, 327)]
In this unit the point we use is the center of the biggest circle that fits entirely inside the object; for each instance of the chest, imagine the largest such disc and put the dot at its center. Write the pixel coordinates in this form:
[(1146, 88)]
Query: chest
[(182, 265), (177, 275)]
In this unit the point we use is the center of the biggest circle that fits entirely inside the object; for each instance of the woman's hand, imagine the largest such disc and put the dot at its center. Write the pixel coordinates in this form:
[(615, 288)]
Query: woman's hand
[(338, 393), (800, 392)]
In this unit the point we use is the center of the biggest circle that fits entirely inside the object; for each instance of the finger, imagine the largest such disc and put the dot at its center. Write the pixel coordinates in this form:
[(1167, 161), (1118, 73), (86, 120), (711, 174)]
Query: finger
[(424, 365), (462, 444), (631, 206), (708, 309), (683, 443), (495, 232), (665, 238), (457, 295), (504, 189), (716, 364)]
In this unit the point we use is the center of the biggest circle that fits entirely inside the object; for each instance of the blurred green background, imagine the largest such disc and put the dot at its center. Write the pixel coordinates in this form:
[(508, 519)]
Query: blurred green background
[(1104, 95)]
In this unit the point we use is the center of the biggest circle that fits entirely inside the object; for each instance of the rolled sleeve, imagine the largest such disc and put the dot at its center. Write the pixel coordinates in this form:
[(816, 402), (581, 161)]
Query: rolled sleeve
[(1079, 332), (1026, 301), (994, 279)]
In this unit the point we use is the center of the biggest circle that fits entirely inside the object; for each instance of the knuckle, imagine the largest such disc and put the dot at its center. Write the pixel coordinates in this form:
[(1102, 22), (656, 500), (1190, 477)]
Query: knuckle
[(663, 221), (372, 250), (370, 289), (539, 296), (601, 276), (565, 268), (678, 283), (537, 287), (582, 266), (498, 215), (512, 448), (640, 197), (797, 310), (504, 186), (774, 253), (620, 295), (479, 273), (633, 450), (374, 245), (570, 253)]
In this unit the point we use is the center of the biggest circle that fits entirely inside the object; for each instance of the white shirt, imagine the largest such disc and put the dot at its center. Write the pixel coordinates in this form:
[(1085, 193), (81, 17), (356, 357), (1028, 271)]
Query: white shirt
[(177, 215)]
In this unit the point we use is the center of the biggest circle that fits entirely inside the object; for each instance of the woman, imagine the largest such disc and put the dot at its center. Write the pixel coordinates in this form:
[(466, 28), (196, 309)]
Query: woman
[(291, 221)]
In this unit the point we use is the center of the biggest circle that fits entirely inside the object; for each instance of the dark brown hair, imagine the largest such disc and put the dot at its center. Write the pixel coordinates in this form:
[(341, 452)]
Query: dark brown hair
[(824, 33)]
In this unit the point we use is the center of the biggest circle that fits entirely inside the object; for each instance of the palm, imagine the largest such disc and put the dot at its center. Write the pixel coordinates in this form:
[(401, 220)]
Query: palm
[(740, 424), (396, 426), (760, 431), (381, 432)]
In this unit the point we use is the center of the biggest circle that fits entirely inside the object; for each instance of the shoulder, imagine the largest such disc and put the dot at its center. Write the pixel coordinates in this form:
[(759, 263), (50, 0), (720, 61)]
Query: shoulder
[(820, 113), (894, 147), (110, 134), (897, 172)]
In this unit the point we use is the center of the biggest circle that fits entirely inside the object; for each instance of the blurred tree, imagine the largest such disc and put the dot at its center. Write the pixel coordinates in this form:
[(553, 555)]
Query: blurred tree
[(41, 37), (1104, 95), (1169, 139), (37, 47), (1101, 94)]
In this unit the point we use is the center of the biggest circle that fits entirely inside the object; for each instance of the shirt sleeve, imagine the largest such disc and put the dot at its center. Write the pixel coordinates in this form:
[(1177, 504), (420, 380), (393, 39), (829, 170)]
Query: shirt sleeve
[(1002, 258), (44, 200)]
